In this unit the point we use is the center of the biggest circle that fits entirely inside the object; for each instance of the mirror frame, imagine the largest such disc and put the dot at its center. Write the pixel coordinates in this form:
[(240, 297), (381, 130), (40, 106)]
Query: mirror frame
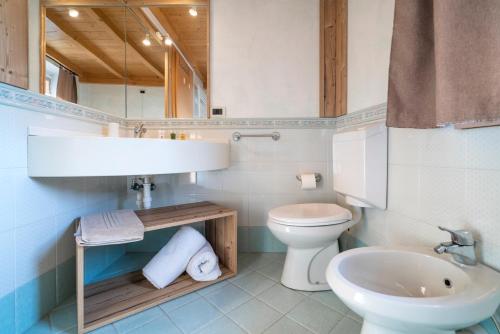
[(44, 4)]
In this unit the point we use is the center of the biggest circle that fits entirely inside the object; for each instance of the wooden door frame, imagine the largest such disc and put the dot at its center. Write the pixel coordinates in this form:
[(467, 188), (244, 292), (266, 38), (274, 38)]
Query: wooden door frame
[(333, 61)]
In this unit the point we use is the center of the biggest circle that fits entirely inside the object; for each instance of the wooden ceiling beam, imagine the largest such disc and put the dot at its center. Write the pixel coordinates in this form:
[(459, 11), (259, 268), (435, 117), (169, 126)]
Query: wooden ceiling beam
[(99, 16), (52, 53), (131, 81), (97, 54), (165, 22), (144, 21)]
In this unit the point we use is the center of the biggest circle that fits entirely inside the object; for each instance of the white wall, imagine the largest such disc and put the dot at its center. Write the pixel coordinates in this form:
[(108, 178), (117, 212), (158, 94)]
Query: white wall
[(369, 41), (437, 177), (37, 245), (261, 176), (111, 100), (265, 57)]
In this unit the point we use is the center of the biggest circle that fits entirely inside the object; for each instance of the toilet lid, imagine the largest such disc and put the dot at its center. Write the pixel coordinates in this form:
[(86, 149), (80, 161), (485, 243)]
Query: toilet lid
[(310, 214)]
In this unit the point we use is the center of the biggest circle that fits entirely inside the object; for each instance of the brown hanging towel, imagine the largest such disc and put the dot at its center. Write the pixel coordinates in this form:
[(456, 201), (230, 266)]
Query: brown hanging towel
[(66, 85), (445, 64)]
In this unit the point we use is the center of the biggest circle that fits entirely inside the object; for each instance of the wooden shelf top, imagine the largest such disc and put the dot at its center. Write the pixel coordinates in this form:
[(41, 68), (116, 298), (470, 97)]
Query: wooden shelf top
[(176, 215)]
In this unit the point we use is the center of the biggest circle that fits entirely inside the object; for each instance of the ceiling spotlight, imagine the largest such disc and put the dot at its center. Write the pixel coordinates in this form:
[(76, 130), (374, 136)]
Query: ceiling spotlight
[(168, 41), (146, 41), (193, 12), (73, 13)]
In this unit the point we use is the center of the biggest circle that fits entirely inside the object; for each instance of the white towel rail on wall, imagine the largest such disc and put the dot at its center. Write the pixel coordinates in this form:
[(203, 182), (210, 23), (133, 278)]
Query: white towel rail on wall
[(275, 135)]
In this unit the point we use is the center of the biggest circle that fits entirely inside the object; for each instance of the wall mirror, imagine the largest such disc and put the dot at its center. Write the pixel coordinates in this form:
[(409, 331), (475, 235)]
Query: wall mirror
[(133, 61)]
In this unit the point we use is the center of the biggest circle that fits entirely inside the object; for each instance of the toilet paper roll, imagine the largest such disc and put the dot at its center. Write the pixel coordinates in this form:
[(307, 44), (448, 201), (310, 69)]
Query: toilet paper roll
[(113, 130), (308, 181)]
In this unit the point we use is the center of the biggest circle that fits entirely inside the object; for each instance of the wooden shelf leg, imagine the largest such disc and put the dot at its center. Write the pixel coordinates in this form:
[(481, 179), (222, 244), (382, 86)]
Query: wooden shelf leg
[(80, 287)]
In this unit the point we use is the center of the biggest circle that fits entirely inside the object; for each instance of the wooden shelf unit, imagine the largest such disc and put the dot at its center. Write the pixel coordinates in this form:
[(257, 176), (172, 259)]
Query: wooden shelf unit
[(107, 301)]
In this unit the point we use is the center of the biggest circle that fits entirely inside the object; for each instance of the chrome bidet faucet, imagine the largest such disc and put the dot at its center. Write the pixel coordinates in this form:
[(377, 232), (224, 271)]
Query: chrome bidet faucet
[(461, 247)]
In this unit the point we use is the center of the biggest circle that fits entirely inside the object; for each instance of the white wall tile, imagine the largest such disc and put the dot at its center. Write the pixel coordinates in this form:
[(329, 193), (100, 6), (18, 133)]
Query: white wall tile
[(441, 177), (35, 250), (483, 150), (443, 148), (7, 200), (483, 204), (443, 196), (7, 262), (405, 146), (404, 190), (34, 198), (7, 147)]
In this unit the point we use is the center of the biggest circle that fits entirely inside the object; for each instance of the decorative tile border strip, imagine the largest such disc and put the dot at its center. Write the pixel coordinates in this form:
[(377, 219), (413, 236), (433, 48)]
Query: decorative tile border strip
[(363, 116), (16, 97)]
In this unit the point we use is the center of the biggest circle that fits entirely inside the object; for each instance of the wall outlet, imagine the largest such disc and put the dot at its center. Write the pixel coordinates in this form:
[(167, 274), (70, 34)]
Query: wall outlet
[(218, 112)]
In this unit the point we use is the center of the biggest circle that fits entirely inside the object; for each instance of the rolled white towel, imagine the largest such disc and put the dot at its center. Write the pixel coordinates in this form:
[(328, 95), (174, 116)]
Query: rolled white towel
[(204, 265), (172, 260)]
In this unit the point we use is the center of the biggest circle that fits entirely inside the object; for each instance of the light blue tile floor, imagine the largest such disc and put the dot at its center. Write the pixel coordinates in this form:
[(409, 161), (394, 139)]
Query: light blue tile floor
[(252, 302)]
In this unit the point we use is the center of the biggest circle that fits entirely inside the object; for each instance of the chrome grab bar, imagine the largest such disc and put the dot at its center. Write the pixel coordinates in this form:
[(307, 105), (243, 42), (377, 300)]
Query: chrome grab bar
[(275, 135)]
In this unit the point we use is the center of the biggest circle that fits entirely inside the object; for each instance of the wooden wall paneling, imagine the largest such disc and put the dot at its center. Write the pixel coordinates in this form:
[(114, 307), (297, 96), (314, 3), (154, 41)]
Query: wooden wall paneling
[(341, 58), (333, 61), (166, 86), (43, 50), (14, 42)]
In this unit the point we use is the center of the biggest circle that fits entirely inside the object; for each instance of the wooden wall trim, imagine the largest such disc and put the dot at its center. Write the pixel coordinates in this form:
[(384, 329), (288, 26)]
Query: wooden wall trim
[(333, 58), (43, 50)]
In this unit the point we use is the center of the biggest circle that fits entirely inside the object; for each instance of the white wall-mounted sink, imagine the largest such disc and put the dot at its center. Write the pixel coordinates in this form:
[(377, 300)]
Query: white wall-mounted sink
[(413, 291), (71, 156)]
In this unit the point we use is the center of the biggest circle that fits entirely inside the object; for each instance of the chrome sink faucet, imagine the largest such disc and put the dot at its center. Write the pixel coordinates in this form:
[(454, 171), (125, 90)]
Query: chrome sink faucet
[(139, 130), (461, 247)]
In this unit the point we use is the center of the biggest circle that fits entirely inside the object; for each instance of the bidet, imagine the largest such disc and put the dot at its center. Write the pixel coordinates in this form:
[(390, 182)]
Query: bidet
[(412, 290)]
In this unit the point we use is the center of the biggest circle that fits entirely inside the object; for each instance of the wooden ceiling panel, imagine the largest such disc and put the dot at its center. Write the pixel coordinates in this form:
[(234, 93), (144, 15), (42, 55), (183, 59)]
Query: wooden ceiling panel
[(98, 41)]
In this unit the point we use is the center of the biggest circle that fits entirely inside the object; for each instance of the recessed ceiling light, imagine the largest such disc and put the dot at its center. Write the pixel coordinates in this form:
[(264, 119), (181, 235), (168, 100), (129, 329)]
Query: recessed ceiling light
[(146, 41), (193, 12), (168, 41), (73, 13)]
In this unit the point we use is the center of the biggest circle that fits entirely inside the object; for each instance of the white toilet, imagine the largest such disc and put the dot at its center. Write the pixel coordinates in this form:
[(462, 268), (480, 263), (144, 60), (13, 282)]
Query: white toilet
[(311, 230)]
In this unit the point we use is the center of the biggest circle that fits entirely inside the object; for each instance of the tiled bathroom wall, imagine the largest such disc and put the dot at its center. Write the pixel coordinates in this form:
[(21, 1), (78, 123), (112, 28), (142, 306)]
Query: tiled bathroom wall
[(444, 177), (37, 268), (262, 175)]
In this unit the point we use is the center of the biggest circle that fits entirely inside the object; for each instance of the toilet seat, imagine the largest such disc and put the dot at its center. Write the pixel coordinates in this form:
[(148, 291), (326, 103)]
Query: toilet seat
[(310, 214)]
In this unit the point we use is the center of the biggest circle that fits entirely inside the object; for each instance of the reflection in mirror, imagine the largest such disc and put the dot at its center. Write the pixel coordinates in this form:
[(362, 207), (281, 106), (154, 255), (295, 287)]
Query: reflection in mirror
[(85, 58), (137, 62)]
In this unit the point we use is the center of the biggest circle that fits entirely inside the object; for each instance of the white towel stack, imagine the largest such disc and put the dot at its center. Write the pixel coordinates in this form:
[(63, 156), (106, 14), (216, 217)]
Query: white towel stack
[(186, 246), (109, 228)]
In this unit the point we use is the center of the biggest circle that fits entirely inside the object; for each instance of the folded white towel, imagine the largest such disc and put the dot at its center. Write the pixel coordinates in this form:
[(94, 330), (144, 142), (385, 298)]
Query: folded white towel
[(173, 258), (108, 228), (204, 265)]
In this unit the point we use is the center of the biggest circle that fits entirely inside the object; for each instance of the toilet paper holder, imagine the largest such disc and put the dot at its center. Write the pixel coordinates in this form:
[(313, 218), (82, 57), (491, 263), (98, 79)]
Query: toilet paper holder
[(317, 176)]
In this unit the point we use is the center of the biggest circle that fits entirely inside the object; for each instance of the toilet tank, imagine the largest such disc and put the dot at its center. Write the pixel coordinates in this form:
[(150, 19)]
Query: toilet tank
[(360, 165)]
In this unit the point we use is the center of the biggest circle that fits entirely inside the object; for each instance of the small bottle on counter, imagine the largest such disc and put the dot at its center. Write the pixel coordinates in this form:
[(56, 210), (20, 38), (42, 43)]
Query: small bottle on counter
[(173, 135), (182, 136)]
